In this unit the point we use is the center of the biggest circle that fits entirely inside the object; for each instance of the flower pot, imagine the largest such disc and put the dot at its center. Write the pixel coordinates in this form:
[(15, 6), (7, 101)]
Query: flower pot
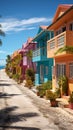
[(53, 103), (38, 94), (71, 105)]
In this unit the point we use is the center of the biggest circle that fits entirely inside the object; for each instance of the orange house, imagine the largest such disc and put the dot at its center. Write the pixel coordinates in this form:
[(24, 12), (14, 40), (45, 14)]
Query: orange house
[(62, 26)]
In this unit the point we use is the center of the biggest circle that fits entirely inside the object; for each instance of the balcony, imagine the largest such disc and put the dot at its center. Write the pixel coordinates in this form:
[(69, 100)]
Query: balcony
[(39, 54), (63, 39)]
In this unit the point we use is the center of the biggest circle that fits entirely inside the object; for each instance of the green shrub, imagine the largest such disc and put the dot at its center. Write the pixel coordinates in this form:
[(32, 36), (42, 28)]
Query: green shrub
[(63, 84), (43, 87), (71, 98), (16, 77), (50, 95), (29, 83), (58, 92), (47, 85), (29, 74)]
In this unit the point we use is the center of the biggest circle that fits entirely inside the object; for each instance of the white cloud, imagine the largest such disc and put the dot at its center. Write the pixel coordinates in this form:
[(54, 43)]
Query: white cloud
[(15, 25), (2, 52), (5, 52)]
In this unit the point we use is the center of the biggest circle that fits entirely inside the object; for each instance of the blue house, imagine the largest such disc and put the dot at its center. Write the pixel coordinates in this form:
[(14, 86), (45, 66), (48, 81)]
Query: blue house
[(43, 64)]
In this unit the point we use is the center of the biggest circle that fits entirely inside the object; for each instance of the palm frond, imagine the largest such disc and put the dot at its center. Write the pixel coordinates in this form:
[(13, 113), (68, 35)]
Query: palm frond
[(58, 51), (0, 25), (2, 33), (0, 42), (68, 49)]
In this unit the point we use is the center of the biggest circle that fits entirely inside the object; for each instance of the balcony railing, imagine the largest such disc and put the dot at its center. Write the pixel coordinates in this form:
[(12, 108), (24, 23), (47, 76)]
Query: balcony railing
[(40, 54), (65, 38), (36, 52)]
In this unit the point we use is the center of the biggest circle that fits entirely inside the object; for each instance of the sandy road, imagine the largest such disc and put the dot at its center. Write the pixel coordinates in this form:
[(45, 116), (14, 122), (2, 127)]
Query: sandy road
[(17, 111)]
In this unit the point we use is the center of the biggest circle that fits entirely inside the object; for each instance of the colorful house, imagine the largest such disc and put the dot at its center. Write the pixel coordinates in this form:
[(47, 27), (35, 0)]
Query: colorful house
[(26, 52), (15, 63), (62, 26), (43, 64)]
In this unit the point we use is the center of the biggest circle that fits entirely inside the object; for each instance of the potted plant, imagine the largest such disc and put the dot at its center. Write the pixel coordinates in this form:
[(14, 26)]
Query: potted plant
[(71, 101), (52, 97), (38, 90), (63, 85)]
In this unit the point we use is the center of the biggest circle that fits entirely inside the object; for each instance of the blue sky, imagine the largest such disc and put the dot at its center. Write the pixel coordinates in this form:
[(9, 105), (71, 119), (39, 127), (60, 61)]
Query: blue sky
[(21, 19)]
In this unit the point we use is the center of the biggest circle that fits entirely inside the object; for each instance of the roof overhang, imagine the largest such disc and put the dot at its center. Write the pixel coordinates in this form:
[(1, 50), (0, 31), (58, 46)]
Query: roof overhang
[(62, 19)]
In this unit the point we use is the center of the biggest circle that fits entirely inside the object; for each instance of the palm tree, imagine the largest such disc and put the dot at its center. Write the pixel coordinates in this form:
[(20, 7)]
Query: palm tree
[(8, 62), (29, 56), (1, 33), (8, 58)]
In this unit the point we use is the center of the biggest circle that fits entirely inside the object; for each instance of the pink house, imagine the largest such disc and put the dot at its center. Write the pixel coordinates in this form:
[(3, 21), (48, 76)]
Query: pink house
[(26, 62)]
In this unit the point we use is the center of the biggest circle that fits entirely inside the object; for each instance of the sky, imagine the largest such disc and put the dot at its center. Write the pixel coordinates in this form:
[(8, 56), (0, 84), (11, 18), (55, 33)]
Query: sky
[(21, 19)]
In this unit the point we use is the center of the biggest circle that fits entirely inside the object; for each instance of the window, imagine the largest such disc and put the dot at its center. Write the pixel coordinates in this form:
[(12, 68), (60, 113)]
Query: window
[(61, 41), (60, 70), (71, 27), (71, 70), (38, 52), (52, 45), (58, 32), (63, 29)]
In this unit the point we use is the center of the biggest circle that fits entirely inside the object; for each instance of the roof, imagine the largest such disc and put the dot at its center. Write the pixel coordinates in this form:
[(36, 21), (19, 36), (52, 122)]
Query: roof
[(26, 44), (67, 11), (43, 27), (29, 40), (60, 10)]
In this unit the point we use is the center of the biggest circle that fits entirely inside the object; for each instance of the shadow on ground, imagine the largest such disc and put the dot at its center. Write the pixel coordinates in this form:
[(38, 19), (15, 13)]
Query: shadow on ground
[(7, 118), (6, 95), (19, 128), (5, 84)]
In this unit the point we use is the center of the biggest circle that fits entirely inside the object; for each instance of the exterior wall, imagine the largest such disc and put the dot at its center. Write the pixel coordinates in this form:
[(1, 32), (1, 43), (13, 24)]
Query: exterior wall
[(65, 59)]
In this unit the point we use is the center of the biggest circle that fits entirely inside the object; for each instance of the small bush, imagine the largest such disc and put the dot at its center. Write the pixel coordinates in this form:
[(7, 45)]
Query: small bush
[(63, 83), (71, 98), (50, 95), (47, 85), (43, 87), (58, 92), (29, 83), (29, 74)]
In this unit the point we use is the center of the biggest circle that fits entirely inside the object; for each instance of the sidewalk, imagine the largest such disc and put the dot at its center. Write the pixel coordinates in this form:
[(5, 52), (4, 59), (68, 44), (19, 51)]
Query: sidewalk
[(62, 103)]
